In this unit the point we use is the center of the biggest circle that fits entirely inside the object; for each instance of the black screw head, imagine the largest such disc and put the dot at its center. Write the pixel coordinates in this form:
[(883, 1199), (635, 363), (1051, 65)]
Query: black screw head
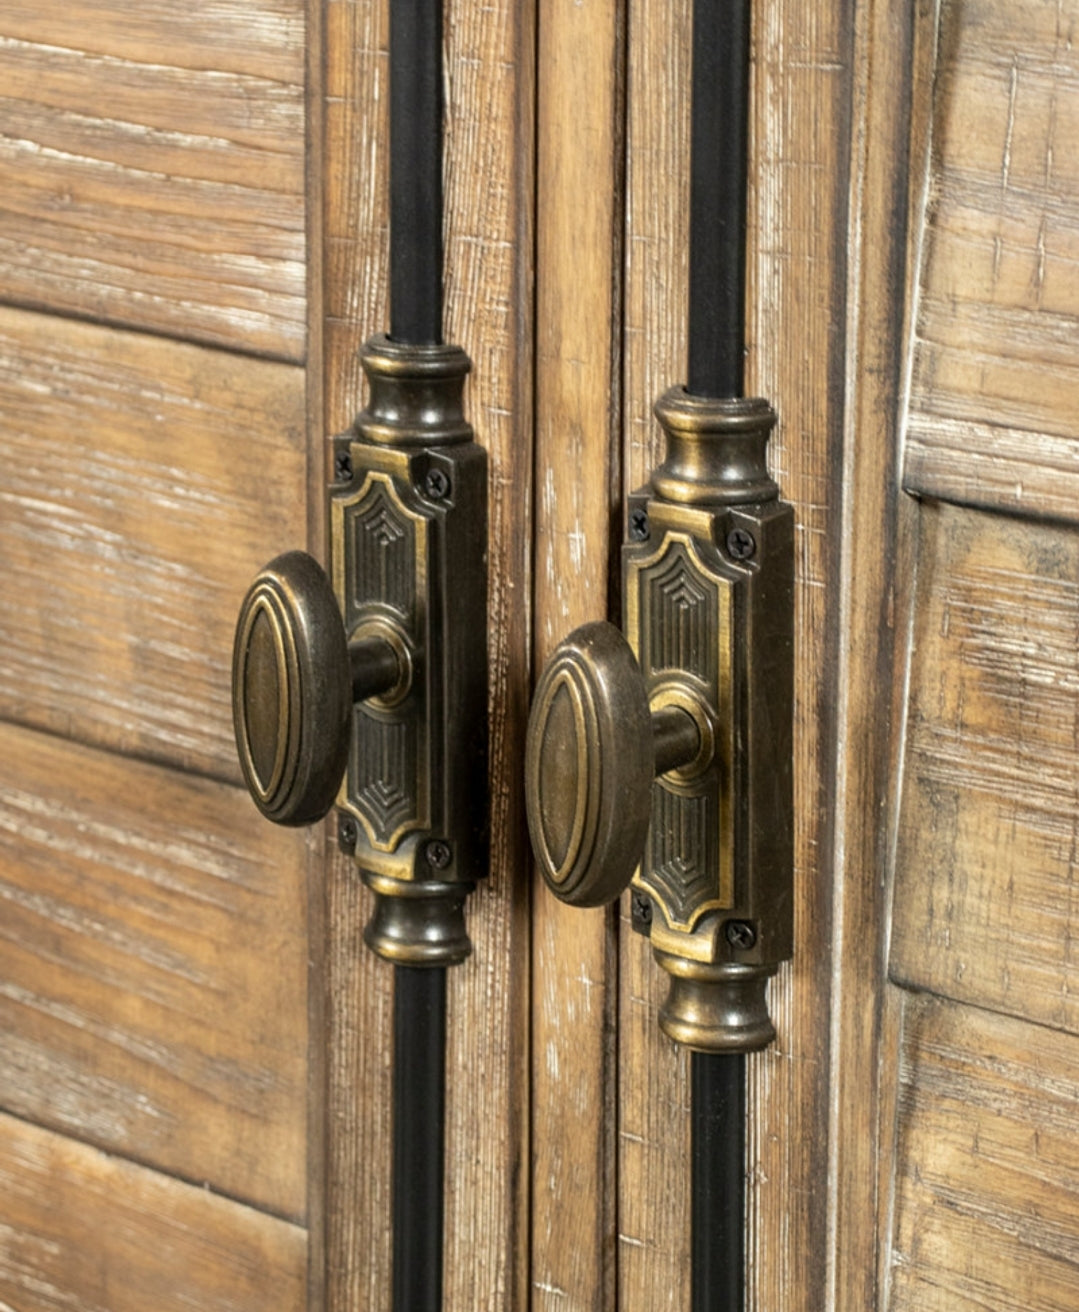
[(638, 524), (346, 833), (437, 854), (741, 544), (642, 910), (740, 934), (436, 484), (342, 466)]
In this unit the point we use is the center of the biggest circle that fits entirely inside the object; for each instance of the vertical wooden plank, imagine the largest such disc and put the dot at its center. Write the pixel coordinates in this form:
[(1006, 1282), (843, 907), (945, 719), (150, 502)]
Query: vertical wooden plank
[(578, 229), (798, 293), (653, 1136), (868, 697), (489, 56)]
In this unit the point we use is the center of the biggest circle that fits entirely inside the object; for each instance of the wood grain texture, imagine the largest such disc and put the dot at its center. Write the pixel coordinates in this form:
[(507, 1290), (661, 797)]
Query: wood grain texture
[(488, 173), (798, 270), (578, 244), (995, 384), (877, 552), (153, 951), (653, 1086), (80, 1229), (145, 483), (986, 908), (152, 164), (988, 1185)]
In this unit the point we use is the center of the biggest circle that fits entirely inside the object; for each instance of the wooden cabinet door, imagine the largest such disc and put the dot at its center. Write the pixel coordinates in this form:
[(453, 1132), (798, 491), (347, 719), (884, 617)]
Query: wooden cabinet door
[(195, 1051)]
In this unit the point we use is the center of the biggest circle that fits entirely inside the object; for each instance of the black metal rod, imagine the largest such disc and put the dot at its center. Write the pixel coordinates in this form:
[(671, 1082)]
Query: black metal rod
[(416, 171), (717, 207), (718, 1182), (419, 1096)]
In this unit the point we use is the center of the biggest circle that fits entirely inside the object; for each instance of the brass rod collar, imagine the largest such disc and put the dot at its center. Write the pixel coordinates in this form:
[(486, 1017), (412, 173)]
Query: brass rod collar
[(716, 449), (716, 1008), (418, 922), (416, 394)]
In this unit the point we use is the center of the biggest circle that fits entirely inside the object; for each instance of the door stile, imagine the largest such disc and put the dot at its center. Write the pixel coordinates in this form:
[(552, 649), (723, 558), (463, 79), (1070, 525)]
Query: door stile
[(487, 181), (579, 233)]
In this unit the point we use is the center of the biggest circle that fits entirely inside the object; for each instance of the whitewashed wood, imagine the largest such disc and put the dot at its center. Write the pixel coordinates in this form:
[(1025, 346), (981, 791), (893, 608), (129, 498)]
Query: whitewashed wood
[(489, 201), (985, 900), (995, 386), (152, 167), (145, 482), (153, 959), (988, 1165), (80, 1230)]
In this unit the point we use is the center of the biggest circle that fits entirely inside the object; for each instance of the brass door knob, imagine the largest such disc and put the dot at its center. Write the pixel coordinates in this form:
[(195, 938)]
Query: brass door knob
[(295, 677), (593, 750)]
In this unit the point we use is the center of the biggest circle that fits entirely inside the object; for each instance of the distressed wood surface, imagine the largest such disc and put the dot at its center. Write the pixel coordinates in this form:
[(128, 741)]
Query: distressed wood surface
[(995, 385), (579, 235), (80, 1229), (153, 950), (145, 483), (489, 61), (988, 1182), (986, 907), (798, 271), (152, 165), (653, 1085)]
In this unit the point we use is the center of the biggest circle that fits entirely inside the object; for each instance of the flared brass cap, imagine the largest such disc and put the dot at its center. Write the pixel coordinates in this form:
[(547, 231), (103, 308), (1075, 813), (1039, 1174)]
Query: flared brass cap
[(418, 923), (416, 394), (716, 1008), (716, 449)]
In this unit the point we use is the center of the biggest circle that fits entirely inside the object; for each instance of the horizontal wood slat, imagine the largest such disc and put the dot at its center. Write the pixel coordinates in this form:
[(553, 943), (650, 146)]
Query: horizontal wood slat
[(987, 1186), (152, 167), (153, 968), (986, 909), (145, 482), (995, 388), (81, 1230)]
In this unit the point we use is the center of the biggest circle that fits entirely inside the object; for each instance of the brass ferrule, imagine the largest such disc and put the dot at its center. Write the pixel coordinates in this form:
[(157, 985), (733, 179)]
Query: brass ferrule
[(716, 449), (415, 396), (716, 1008), (417, 923)]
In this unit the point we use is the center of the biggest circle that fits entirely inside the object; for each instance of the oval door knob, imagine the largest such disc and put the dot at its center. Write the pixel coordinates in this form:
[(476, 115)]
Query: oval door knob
[(593, 749), (294, 680)]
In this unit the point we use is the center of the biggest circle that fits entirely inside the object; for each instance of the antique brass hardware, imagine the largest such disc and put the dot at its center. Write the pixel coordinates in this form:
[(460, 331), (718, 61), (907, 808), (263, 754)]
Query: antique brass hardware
[(663, 758), (371, 690)]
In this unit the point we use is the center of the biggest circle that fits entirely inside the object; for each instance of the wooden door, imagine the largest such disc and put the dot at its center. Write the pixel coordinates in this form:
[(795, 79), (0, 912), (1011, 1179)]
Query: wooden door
[(194, 1071)]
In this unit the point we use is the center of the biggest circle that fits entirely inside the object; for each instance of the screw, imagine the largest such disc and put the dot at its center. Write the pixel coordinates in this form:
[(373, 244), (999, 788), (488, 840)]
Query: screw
[(342, 466), (740, 934), (436, 484), (638, 524), (642, 909), (346, 832), (741, 544), (438, 854)]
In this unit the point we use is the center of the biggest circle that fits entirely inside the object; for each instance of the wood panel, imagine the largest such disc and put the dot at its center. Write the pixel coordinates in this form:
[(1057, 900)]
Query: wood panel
[(988, 1182), (489, 63), (995, 385), (152, 167), (985, 895), (145, 482), (798, 269), (579, 236), (153, 952), (80, 1229)]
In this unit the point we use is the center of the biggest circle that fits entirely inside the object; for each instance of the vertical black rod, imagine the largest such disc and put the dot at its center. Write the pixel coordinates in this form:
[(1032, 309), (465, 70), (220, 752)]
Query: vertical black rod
[(416, 170), (419, 1094), (717, 205), (718, 1150)]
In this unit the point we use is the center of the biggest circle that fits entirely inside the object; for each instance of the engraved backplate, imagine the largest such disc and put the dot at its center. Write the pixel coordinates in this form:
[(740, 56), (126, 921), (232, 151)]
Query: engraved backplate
[(714, 631)]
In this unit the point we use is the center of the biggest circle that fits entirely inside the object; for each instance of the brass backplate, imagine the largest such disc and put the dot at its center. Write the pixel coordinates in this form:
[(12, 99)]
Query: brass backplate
[(708, 601)]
